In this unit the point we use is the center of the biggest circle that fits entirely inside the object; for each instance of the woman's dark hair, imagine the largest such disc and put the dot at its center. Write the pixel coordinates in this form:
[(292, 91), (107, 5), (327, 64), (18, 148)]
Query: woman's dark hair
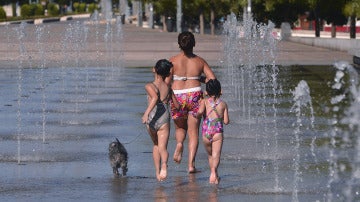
[(213, 88), (162, 67), (186, 41)]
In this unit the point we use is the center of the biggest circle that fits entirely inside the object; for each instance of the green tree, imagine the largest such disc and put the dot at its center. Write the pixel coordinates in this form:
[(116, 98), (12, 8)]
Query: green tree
[(222, 8), (13, 3), (62, 2), (202, 12), (278, 11), (232, 6), (165, 9), (352, 9), (314, 7), (329, 10), (7, 2), (332, 12), (200, 7)]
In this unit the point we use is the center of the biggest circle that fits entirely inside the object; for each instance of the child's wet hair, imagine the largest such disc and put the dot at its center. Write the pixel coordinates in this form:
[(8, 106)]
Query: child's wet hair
[(213, 88), (162, 67)]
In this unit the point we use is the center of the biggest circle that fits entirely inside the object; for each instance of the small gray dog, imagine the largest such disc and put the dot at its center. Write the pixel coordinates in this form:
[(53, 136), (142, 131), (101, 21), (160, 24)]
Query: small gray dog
[(118, 157)]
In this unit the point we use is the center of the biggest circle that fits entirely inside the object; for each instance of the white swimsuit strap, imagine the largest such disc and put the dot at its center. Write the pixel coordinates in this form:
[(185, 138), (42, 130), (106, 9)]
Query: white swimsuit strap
[(184, 78), (188, 90)]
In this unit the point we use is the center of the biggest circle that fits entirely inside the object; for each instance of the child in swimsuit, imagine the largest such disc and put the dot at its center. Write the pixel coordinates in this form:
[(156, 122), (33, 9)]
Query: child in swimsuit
[(157, 116), (215, 112)]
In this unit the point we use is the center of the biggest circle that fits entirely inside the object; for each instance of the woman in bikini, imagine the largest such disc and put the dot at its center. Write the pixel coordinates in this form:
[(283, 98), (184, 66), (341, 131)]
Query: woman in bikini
[(157, 116), (216, 114), (186, 77)]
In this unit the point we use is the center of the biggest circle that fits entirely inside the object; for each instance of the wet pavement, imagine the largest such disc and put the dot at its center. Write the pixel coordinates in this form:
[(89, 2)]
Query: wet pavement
[(57, 122), (54, 141)]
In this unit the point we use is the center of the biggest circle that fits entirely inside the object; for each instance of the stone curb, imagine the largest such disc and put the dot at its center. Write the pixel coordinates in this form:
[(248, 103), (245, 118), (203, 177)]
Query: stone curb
[(48, 20)]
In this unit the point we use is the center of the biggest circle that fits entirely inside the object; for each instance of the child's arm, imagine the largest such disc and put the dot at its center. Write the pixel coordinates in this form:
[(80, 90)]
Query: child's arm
[(152, 102), (201, 108), (226, 114), (174, 100)]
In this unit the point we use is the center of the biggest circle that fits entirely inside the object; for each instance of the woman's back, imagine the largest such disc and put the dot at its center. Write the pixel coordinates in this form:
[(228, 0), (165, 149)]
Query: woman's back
[(188, 69)]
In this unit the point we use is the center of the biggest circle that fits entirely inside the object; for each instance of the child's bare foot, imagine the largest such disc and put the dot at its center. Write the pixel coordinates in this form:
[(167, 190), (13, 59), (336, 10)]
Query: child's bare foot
[(163, 173), (178, 152), (158, 177)]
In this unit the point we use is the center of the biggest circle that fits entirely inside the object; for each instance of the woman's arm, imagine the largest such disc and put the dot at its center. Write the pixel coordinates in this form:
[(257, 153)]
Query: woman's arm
[(209, 74), (169, 79)]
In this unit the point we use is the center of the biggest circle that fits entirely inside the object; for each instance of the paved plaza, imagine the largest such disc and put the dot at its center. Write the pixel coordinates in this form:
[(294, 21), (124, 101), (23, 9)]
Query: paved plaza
[(149, 45), (144, 46)]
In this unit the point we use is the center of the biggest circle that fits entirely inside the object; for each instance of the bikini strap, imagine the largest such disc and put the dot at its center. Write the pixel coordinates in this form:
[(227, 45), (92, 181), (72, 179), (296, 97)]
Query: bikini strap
[(184, 78), (158, 93)]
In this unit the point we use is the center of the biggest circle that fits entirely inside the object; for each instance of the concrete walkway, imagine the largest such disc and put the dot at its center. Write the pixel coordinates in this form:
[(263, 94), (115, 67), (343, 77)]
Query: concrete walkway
[(143, 47)]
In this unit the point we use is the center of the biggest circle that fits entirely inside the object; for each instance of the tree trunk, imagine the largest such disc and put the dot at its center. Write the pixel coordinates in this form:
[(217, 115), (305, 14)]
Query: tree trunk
[(333, 30), (201, 19), (317, 27), (353, 27), (212, 21), (163, 19), (13, 6)]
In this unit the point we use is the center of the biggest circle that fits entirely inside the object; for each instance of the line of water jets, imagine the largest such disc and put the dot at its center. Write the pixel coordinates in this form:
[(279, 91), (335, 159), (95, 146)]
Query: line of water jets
[(73, 45), (250, 62)]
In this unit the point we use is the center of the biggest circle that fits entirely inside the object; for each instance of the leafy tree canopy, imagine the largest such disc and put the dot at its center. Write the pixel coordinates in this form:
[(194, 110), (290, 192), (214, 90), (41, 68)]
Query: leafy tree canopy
[(165, 7), (352, 8), (278, 11), (6, 2)]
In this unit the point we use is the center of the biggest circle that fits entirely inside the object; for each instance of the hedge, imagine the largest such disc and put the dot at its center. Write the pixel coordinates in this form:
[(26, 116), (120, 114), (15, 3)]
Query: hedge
[(26, 10), (2, 13), (39, 10), (53, 9), (92, 7)]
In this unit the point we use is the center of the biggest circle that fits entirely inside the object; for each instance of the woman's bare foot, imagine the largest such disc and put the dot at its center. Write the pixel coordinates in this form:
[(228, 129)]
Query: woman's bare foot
[(178, 152), (193, 170), (213, 179)]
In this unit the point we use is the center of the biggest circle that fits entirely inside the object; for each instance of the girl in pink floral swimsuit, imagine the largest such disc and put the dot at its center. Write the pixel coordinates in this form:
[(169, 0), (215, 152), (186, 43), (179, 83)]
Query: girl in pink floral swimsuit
[(216, 111)]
